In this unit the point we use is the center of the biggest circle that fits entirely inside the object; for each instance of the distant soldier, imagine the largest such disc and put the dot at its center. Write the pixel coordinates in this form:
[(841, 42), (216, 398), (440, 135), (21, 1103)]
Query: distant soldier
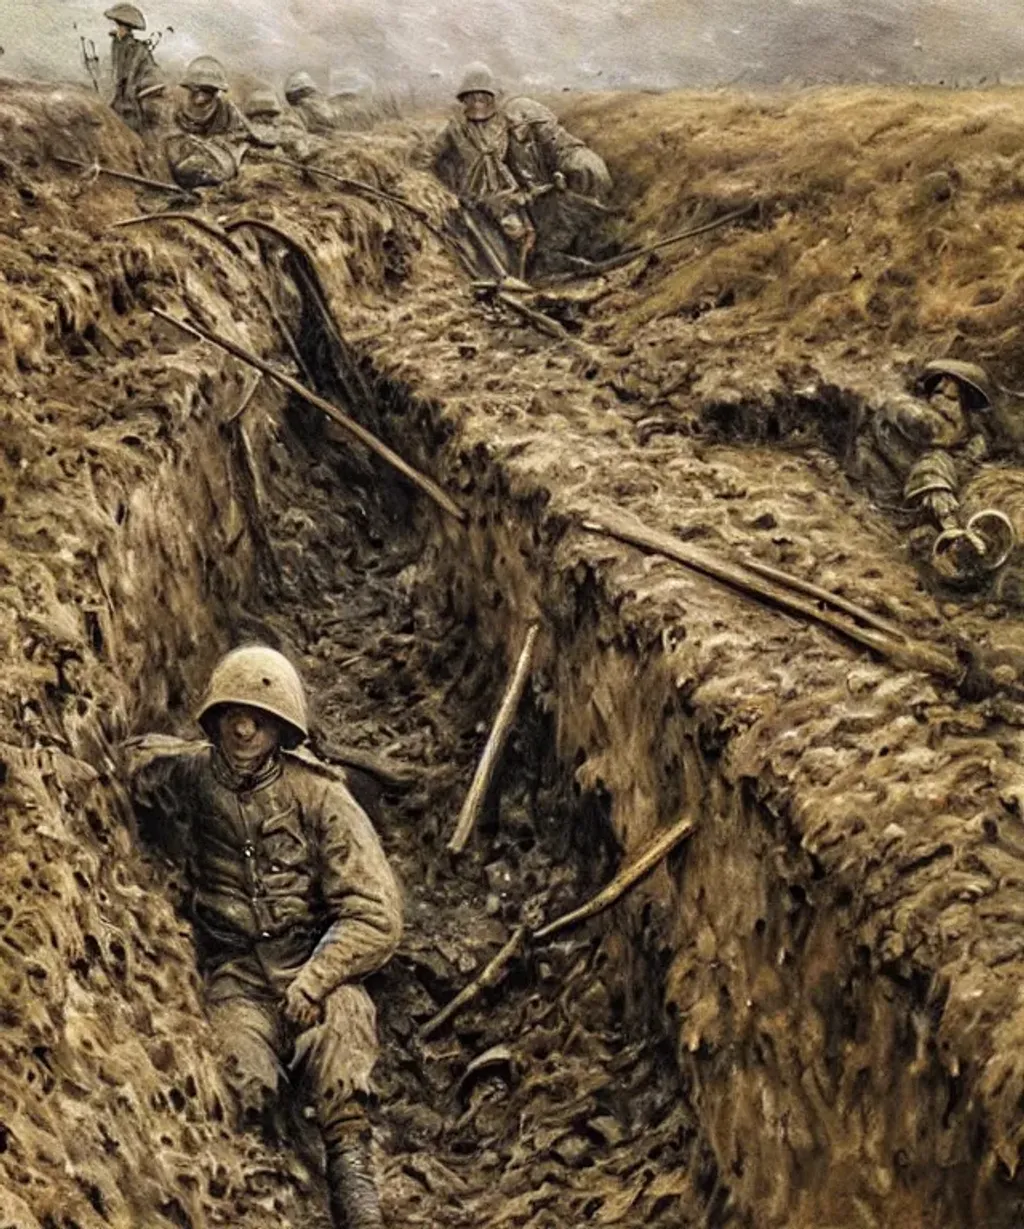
[(937, 446), (293, 905), (212, 134), (352, 103), (302, 93), (275, 127), (137, 84), (515, 162)]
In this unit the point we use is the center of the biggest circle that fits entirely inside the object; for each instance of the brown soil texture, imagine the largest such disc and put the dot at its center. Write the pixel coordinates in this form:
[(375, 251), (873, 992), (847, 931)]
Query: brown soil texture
[(835, 958)]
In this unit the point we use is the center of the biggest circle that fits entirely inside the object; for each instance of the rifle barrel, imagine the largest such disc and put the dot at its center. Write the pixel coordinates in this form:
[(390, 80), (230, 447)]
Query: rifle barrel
[(127, 176)]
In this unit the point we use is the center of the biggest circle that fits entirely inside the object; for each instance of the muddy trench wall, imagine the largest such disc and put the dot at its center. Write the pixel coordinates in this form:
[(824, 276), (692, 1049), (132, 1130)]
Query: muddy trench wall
[(128, 563), (808, 1048)]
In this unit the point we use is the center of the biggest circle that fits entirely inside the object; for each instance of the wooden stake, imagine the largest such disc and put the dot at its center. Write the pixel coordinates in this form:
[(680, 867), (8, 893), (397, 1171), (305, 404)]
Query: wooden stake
[(624, 880), (902, 651), (495, 969), (495, 744), (215, 232), (492, 973), (425, 484)]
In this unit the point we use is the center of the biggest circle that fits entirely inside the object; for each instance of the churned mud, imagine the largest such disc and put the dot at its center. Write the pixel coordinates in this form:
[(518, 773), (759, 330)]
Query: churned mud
[(806, 1015)]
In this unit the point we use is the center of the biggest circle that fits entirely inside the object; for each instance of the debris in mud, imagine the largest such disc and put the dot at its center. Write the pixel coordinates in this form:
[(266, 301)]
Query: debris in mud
[(809, 1009)]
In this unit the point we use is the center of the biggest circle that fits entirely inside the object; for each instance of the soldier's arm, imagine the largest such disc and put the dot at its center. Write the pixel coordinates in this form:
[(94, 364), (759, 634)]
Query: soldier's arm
[(362, 897), (157, 770)]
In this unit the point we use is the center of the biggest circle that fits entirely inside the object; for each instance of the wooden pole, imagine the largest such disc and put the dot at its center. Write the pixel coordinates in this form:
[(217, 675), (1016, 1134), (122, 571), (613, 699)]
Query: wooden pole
[(425, 484), (492, 973), (495, 744), (642, 866), (902, 651)]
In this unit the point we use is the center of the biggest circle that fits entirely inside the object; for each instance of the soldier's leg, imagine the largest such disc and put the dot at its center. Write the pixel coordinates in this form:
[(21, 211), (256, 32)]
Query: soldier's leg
[(335, 1060), (250, 1038)]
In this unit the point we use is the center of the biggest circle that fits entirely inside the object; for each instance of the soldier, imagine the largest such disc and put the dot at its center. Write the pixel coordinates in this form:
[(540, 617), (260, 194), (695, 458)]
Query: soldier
[(352, 103), (275, 127), (293, 904), (213, 135), (934, 445), (137, 86), (518, 166), (301, 92)]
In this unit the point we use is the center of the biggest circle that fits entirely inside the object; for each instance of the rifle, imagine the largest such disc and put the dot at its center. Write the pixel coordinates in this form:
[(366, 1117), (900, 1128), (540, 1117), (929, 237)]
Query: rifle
[(627, 257), (127, 176)]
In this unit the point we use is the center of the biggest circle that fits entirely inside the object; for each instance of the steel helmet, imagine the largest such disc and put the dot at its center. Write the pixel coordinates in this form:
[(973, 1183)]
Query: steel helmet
[(976, 389), (126, 15), (263, 678), (205, 73), (262, 101), (477, 79), (299, 84)]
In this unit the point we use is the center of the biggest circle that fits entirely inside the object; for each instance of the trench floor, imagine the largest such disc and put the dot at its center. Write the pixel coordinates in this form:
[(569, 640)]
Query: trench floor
[(575, 1115)]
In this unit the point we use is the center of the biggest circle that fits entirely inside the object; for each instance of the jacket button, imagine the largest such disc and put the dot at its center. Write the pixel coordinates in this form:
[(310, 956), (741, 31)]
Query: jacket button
[(274, 866), (264, 934), (249, 850)]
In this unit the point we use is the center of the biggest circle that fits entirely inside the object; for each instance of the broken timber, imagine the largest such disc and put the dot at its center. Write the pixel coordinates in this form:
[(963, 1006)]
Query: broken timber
[(901, 649), (425, 484), (627, 878), (495, 744)]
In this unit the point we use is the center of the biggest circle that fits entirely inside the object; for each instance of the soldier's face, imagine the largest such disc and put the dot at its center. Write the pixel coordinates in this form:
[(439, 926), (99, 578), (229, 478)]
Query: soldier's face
[(121, 31), (478, 105), (247, 735), (202, 97)]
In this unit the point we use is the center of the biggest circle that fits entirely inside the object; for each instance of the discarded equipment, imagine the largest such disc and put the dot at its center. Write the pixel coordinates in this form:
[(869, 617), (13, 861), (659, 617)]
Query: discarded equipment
[(94, 168), (425, 484), (495, 744)]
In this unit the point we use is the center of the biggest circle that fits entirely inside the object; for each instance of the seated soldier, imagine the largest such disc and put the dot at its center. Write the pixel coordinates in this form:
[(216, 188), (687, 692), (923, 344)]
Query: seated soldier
[(293, 904), (212, 134), (303, 95), (352, 101), (513, 161), (274, 127)]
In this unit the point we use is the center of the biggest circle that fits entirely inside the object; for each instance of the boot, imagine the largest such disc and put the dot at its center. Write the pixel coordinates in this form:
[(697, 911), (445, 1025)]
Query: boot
[(350, 1181)]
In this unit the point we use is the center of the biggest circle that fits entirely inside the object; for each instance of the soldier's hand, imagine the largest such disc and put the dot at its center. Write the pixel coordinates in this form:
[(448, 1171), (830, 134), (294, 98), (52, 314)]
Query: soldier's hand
[(299, 1008)]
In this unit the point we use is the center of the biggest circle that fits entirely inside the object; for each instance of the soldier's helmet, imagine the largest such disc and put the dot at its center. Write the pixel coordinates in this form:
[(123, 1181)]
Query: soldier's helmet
[(977, 392), (258, 677), (262, 101), (205, 73), (298, 85), (477, 79), (126, 15)]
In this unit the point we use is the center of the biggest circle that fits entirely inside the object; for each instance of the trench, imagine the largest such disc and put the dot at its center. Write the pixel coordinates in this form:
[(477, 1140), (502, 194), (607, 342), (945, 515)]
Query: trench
[(769, 1030)]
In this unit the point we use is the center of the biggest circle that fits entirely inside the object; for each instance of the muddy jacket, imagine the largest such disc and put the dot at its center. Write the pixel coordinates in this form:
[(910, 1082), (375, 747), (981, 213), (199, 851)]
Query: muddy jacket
[(286, 132), (209, 145), (316, 113), (137, 84), (288, 870), (519, 147)]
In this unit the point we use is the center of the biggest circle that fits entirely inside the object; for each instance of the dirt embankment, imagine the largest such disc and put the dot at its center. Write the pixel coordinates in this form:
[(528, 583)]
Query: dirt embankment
[(838, 947)]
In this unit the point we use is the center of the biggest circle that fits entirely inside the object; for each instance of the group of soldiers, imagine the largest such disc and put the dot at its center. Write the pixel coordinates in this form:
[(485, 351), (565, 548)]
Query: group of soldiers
[(530, 185)]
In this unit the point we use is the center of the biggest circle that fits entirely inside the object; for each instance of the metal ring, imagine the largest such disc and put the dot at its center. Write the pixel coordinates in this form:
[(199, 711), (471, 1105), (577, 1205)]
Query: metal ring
[(943, 556), (1000, 537)]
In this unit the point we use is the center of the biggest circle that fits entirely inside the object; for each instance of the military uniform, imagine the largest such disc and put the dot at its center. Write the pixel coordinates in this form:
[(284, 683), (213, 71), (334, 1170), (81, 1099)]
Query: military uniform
[(289, 889), (274, 127), (932, 446), (508, 164), (310, 104), (212, 134), (137, 84)]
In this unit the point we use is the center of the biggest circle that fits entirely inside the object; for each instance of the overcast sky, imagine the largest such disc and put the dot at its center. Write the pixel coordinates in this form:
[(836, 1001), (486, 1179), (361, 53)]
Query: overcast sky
[(549, 44)]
